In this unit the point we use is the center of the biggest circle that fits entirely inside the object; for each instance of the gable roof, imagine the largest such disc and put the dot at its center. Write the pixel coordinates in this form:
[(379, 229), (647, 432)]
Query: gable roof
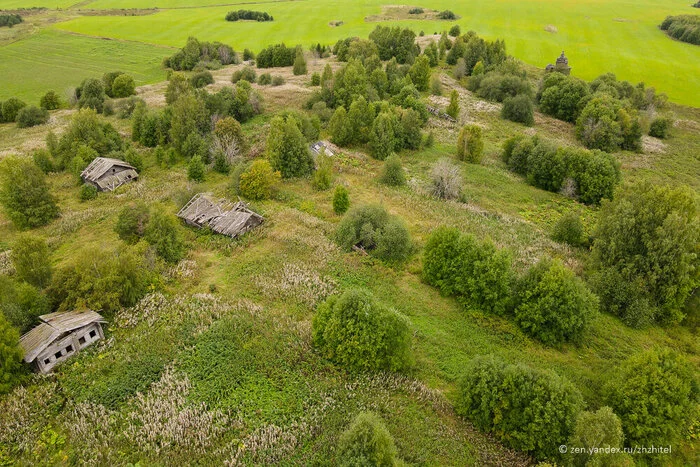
[(95, 173), (220, 215), (54, 325)]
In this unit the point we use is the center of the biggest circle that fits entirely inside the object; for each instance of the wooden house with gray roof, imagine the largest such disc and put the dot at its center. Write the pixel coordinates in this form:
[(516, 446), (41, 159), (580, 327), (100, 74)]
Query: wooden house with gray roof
[(60, 336), (221, 216), (108, 174)]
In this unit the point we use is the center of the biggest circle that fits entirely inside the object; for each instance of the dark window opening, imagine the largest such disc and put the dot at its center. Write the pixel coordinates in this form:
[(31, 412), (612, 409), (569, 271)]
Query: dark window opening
[(92, 333), (47, 361), (81, 341), (69, 348), (58, 354)]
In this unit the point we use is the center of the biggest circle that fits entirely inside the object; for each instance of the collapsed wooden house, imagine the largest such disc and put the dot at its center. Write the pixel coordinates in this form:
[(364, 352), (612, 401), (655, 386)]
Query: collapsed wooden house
[(221, 216), (440, 113), (60, 336), (107, 174), (320, 146)]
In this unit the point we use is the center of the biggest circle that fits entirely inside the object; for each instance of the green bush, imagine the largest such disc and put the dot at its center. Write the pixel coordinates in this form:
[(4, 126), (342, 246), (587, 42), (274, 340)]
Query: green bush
[(546, 167), (339, 127), (645, 252), (10, 108), (163, 233), (202, 79), (366, 442), (477, 273), (660, 127), (265, 79), (356, 332), (372, 229), (315, 79), (569, 230), (21, 303), (101, 280), (606, 125), (393, 173), (87, 192), (470, 146), (259, 180), (30, 115), (42, 158), (341, 200), (527, 409), (455, 30), (299, 62), (323, 175), (595, 173), (11, 354), (518, 109), (553, 305), (196, 169), (50, 101), (277, 80), (91, 94), (123, 86), (24, 193), (381, 138), (132, 221), (593, 434), (31, 260), (453, 108), (562, 96), (655, 394), (246, 73), (287, 149)]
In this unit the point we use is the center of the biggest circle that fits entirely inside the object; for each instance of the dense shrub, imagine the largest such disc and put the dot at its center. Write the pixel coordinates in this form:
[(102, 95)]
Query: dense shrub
[(660, 127), (189, 121), (339, 127), (31, 116), (87, 192), (24, 193), (395, 43), (654, 393), (249, 15), (323, 175), (123, 86), (299, 67), (593, 435), (163, 234), (569, 230), (685, 28), (287, 149), (546, 167), (276, 56), (201, 54), (101, 280), (21, 303), (202, 79), (381, 137), (259, 180), (518, 109), (416, 11), (31, 260), (477, 273), (448, 15), (91, 95), (9, 20), (360, 334), (527, 409), (455, 31), (42, 158), (341, 200), (246, 73), (277, 80), (241, 102), (50, 101), (196, 170), (420, 73), (367, 441), (372, 229), (594, 173), (553, 305), (470, 146), (10, 108), (393, 173), (265, 79), (132, 221), (562, 96), (500, 84), (605, 124), (453, 108), (645, 251), (11, 355)]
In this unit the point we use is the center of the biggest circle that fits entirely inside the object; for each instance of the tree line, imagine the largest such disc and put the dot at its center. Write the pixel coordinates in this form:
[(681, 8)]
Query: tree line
[(248, 15), (685, 28)]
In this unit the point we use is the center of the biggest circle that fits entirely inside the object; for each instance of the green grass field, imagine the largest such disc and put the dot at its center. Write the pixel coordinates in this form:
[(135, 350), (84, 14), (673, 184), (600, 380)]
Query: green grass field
[(599, 36), (58, 60)]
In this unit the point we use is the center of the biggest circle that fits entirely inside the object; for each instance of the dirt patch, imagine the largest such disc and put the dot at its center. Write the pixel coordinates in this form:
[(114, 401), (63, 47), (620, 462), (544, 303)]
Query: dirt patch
[(652, 145), (550, 28), (403, 12), (335, 24), (118, 12)]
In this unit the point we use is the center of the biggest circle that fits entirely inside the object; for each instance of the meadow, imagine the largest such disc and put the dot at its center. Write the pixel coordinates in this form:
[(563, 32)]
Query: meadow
[(598, 36)]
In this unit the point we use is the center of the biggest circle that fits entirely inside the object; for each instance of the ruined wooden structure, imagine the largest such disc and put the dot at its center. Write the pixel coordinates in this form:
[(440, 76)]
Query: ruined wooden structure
[(441, 114), (561, 65), (60, 336), (320, 146), (107, 174), (221, 216)]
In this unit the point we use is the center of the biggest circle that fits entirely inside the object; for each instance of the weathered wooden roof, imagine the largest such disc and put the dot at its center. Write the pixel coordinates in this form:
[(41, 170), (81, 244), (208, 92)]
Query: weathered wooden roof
[(318, 146), (54, 325), (96, 173), (221, 215)]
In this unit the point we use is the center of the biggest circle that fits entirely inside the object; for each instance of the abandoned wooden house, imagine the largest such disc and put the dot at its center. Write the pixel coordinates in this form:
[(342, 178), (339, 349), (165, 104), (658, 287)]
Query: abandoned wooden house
[(221, 216), (60, 336), (561, 66), (319, 146), (107, 174), (440, 113)]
